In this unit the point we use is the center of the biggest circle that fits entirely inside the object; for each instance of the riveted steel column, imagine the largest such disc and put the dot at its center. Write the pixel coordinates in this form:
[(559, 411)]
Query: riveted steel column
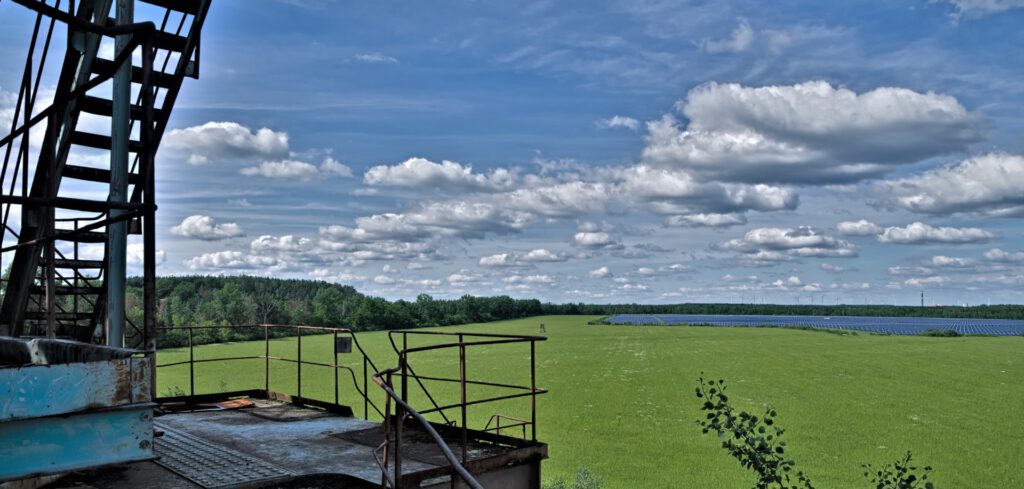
[(120, 133)]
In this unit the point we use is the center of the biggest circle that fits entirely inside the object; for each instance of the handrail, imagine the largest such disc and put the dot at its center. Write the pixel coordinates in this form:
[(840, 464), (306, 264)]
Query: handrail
[(368, 364), (405, 371), (498, 427), (448, 454), (417, 378), (391, 445)]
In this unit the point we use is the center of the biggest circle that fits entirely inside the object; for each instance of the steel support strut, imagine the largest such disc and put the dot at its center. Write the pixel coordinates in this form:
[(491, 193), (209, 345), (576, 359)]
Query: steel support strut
[(120, 133)]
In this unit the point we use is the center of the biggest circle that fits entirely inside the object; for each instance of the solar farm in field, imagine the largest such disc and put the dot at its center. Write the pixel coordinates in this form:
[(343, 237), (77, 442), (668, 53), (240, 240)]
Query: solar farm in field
[(881, 325)]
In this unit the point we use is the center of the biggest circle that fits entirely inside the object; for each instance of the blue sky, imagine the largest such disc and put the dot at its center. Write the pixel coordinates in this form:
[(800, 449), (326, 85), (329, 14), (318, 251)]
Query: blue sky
[(644, 151)]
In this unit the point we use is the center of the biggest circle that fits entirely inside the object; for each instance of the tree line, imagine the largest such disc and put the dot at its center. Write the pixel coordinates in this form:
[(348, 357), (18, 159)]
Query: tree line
[(215, 303)]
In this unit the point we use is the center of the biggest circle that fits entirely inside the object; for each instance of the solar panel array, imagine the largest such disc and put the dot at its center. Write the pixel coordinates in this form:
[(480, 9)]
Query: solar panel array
[(883, 325)]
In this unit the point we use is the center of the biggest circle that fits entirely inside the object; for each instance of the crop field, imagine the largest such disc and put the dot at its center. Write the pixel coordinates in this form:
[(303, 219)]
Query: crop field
[(622, 402), (880, 325)]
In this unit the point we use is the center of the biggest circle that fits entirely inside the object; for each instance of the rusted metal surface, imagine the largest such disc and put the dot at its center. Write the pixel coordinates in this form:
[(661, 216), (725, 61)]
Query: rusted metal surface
[(46, 390), (46, 351), (515, 422), (211, 465), (402, 408), (37, 446)]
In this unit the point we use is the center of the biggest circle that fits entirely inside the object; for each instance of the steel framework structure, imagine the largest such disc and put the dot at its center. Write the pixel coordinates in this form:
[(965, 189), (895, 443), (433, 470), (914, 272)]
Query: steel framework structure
[(64, 254)]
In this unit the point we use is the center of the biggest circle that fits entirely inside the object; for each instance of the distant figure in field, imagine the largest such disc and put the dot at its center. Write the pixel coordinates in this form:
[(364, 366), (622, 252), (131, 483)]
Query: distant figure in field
[(542, 328)]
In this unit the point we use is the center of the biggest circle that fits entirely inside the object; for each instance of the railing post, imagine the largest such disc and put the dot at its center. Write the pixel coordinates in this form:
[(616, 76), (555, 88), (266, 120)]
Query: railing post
[(366, 392), (77, 282), (335, 355), (148, 173), (298, 365), (404, 359), (533, 390), (399, 422), (462, 388), (51, 228), (266, 360), (191, 366), (387, 432)]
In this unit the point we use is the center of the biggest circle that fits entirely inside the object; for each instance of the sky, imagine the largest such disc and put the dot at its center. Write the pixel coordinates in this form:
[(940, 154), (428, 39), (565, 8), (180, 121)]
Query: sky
[(650, 151)]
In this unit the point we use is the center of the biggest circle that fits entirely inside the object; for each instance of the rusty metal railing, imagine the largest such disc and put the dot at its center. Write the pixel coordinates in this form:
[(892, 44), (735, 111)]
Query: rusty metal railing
[(516, 422), (392, 445), (389, 453), (368, 366)]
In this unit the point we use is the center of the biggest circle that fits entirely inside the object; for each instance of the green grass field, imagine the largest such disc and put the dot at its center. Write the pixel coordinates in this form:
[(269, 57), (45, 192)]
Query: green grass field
[(622, 401)]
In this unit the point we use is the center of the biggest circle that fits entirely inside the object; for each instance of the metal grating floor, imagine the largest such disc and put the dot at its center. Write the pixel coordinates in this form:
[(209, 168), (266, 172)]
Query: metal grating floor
[(211, 465)]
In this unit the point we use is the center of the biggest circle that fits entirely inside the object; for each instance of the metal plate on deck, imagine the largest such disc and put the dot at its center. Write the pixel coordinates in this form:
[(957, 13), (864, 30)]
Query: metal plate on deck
[(211, 465), (342, 345)]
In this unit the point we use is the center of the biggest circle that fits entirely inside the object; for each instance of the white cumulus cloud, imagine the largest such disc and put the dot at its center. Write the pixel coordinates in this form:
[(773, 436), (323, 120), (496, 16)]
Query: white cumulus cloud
[(862, 227), (619, 121), (921, 233), (998, 255), (205, 228), (808, 133), (706, 220), (447, 175), (990, 184), (780, 244), (214, 141), (499, 260), (229, 259)]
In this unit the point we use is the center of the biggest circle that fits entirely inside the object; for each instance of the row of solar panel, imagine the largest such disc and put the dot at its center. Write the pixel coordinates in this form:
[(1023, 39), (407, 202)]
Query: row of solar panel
[(884, 325)]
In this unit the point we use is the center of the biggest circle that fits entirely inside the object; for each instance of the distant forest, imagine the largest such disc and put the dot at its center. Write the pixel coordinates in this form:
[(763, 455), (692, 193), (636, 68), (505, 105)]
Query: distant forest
[(238, 300)]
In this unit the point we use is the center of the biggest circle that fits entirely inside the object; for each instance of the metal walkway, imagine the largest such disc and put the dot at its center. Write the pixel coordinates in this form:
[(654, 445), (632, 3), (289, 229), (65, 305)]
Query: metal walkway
[(211, 465)]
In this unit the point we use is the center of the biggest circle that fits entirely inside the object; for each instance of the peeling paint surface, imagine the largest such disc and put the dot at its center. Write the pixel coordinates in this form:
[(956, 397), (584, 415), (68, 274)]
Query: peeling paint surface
[(57, 444), (35, 391)]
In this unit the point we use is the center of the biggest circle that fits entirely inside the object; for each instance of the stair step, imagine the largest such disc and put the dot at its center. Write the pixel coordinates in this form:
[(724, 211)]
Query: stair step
[(77, 264), (170, 42), (160, 79), (95, 174), (100, 141), (84, 237), (66, 290), (59, 316), (162, 40), (190, 7)]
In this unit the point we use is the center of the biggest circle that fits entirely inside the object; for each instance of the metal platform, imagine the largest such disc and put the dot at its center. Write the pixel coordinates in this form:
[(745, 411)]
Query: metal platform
[(280, 445), (212, 466)]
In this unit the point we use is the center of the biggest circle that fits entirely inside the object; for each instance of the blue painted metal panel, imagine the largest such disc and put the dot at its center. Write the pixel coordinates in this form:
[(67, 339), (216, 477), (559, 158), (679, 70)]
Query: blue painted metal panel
[(61, 443), (35, 391)]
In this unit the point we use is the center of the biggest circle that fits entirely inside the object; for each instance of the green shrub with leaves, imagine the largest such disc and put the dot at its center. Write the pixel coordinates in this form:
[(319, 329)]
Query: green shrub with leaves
[(899, 475), (754, 441), (584, 480)]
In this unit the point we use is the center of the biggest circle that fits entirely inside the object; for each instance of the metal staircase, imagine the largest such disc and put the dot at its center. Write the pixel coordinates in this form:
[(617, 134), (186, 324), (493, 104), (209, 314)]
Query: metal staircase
[(66, 256)]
